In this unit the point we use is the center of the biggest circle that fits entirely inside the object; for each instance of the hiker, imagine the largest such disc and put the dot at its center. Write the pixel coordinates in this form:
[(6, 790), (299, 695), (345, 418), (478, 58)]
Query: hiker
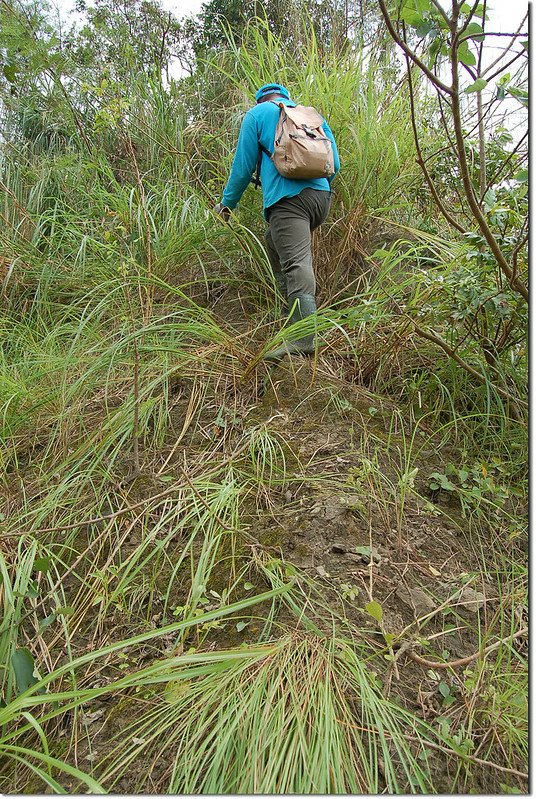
[(293, 207)]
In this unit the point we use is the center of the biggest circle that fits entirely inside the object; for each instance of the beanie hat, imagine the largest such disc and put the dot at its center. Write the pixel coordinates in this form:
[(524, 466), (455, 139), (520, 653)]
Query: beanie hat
[(271, 88)]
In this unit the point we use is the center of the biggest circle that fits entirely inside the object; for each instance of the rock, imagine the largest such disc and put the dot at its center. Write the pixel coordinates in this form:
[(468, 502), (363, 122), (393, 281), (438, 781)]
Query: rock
[(333, 509), (471, 600), (321, 571), (375, 555), (338, 549), (416, 599), (367, 554), (288, 496)]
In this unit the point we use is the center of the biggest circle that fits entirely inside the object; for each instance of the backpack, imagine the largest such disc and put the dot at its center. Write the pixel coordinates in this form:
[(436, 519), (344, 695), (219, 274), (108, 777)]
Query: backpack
[(301, 148)]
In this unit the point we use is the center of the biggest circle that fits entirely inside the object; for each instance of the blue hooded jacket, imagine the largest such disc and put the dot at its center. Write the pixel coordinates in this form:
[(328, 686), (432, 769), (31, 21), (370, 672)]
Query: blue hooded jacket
[(258, 126)]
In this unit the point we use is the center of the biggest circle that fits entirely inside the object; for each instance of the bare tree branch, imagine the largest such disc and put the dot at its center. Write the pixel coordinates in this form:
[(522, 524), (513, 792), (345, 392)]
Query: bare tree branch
[(409, 52), (420, 160), (474, 205), (507, 48)]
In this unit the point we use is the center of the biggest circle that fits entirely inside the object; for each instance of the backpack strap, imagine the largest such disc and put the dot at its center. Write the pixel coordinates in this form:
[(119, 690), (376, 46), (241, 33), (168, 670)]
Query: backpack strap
[(256, 179)]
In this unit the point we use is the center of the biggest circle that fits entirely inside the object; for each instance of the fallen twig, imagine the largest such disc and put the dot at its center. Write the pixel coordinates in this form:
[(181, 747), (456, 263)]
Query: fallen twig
[(452, 664), (465, 756)]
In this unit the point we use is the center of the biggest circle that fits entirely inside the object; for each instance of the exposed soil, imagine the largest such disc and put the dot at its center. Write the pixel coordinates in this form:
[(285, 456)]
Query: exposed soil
[(339, 515)]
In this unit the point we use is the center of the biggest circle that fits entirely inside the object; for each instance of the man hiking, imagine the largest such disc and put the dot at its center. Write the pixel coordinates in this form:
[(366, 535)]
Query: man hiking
[(293, 207)]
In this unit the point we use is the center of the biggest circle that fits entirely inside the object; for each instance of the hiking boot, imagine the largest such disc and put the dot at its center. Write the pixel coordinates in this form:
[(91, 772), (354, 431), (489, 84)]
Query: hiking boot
[(303, 305)]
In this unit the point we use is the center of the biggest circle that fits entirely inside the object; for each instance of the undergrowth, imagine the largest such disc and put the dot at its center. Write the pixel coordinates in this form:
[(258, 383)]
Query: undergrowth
[(157, 635)]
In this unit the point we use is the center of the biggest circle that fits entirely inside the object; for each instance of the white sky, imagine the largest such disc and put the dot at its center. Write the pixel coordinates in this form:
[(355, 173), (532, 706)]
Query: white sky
[(504, 15)]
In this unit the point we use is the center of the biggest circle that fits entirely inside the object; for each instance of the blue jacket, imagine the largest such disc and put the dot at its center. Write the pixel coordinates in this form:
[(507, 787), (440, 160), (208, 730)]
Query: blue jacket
[(259, 125)]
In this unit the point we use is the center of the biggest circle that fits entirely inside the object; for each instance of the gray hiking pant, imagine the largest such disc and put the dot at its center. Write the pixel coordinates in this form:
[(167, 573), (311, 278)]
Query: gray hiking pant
[(289, 242)]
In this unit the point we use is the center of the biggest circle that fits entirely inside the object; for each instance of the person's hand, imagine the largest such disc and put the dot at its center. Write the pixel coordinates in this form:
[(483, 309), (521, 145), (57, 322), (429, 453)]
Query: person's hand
[(222, 211)]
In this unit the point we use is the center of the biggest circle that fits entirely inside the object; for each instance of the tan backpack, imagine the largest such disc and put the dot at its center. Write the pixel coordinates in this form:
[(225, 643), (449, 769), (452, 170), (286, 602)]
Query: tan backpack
[(301, 148)]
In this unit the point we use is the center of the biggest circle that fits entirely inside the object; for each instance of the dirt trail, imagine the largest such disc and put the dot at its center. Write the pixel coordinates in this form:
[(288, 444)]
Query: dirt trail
[(348, 508)]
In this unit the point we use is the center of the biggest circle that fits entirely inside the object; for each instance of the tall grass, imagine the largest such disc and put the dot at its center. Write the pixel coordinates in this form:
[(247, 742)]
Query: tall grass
[(280, 720), (138, 451)]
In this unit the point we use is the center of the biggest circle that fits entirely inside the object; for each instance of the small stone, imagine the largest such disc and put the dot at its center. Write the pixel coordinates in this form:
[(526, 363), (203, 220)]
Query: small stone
[(416, 599), (375, 555), (321, 571), (338, 549), (333, 509), (367, 554), (471, 600), (91, 717), (288, 496)]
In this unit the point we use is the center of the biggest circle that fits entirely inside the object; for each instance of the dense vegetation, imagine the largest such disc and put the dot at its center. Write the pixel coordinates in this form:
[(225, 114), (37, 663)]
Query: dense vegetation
[(219, 578)]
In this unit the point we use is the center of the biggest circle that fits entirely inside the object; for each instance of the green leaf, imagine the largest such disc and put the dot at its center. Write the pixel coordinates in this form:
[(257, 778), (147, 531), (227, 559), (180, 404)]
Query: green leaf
[(241, 625), (477, 86), (522, 176), (438, 480), (489, 199), (68, 610), (478, 12), (520, 94), (47, 621), (434, 49), (411, 17), (10, 72), (465, 55), (444, 689), (474, 31), (374, 609), (42, 564), (424, 29), (248, 586), (33, 590), (23, 665)]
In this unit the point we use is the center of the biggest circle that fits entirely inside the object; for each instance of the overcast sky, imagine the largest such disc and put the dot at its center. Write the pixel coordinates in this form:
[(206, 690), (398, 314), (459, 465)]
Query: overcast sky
[(504, 15)]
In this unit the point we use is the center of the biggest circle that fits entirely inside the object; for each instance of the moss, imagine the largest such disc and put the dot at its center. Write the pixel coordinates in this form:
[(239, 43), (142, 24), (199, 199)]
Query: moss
[(272, 537)]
